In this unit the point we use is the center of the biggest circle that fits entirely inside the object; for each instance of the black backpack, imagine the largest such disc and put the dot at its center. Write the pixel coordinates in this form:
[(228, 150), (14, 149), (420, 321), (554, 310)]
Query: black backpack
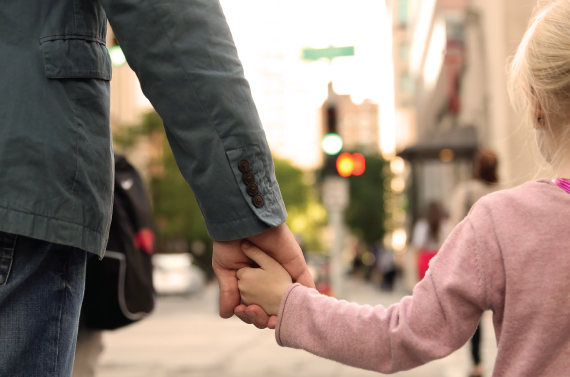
[(118, 288)]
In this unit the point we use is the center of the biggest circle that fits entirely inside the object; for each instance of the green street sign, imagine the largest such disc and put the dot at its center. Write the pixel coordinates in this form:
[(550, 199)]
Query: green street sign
[(329, 53)]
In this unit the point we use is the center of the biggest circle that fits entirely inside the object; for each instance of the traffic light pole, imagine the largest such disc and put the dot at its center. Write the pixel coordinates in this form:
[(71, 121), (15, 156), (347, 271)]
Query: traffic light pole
[(335, 198)]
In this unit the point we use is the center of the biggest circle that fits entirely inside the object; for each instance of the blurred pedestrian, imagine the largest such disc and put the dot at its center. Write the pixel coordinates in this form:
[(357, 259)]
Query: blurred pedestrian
[(56, 158), (385, 265), (429, 234), (510, 255), (484, 181)]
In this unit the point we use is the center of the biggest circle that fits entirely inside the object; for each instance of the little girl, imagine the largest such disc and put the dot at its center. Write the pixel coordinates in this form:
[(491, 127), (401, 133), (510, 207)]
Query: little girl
[(511, 255)]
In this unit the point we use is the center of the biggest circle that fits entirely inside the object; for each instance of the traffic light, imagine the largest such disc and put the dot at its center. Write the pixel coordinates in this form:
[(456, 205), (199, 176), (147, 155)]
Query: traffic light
[(359, 164), (331, 119), (344, 165), (350, 164), (331, 142)]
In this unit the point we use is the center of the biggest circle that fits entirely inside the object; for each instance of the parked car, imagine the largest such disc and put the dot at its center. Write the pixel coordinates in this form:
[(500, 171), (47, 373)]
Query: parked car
[(174, 274)]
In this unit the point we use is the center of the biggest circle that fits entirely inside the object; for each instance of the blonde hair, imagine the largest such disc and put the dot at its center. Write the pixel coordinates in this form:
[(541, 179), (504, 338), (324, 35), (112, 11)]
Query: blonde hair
[(539, 75)]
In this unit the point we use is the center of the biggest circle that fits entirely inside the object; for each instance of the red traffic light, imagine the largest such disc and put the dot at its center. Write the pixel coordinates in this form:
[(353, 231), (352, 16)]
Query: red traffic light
[(350, 164), (359, 164)]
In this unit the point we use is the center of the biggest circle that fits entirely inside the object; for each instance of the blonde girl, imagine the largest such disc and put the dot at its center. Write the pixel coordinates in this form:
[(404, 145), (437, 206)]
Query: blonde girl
[(510, 255)]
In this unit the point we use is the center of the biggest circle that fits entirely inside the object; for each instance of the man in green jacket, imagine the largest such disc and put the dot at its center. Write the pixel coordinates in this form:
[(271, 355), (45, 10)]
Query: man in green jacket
[(56, 168)]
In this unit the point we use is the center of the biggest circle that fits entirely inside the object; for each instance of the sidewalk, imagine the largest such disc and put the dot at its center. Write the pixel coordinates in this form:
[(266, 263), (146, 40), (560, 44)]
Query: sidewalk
[(185, 337)]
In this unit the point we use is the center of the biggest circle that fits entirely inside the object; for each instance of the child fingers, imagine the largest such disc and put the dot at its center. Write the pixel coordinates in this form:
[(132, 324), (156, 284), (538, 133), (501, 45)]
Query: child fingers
[(242, 272), (258, 256)]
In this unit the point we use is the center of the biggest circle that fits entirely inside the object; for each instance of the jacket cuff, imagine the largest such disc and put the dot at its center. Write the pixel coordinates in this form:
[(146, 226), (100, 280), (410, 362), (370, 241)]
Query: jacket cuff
[(255, 176), (246, 226)]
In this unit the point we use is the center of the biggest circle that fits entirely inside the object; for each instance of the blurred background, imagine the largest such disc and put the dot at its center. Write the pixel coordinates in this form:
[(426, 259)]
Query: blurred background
[(373, 109)]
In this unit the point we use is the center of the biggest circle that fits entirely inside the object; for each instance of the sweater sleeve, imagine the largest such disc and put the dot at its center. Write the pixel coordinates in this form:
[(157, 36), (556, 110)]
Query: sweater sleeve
[(440, 316), (185, 58)]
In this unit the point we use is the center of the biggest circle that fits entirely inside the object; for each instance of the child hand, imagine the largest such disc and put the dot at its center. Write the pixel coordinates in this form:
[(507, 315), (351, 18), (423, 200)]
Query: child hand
[(265, 285)]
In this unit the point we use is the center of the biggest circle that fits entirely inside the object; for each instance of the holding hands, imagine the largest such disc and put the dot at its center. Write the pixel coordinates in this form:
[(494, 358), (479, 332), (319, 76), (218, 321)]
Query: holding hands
[(277, 243), (263, 286)]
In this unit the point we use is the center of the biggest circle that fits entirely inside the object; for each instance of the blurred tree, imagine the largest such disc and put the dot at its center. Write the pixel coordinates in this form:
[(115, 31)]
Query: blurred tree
[(306, 214), (294, 190), (365, 214), (176, 214)]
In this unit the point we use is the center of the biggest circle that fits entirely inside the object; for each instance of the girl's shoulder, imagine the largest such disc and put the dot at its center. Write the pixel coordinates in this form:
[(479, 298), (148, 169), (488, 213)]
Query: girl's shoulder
[(532, 200), (525, 192)]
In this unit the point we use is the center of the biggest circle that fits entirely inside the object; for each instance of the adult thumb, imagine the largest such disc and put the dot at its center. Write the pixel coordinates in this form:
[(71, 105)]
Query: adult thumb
[(258, 256)]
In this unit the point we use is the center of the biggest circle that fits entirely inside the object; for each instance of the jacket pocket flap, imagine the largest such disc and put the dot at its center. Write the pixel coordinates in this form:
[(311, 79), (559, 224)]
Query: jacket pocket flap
[(73, 56)]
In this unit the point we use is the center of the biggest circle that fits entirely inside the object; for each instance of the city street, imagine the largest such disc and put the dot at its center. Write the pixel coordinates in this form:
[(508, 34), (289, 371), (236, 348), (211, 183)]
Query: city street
[(185, 337)]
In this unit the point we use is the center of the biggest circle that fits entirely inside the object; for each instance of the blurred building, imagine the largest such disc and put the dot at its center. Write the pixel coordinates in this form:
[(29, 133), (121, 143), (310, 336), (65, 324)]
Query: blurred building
[(458, 53), (357, 124), (404, 84)]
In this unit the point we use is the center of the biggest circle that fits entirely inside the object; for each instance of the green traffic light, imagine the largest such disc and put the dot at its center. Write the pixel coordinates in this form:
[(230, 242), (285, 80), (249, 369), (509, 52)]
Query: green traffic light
[(117, 56), (331, 144)]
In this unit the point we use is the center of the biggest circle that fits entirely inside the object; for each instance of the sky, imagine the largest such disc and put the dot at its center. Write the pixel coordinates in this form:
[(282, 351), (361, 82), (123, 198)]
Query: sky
[(270, 36)]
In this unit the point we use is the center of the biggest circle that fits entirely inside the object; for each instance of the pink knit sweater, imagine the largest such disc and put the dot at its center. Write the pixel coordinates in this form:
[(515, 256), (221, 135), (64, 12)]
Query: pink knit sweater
[(510, 255)]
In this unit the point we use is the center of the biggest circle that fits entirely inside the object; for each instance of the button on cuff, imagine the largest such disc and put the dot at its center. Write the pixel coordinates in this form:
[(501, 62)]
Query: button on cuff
[(244, 166), (258, 201), (252, 189), (248, 177)]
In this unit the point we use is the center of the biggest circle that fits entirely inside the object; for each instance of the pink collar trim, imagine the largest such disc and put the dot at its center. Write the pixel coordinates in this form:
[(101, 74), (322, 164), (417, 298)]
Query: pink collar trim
[(563, 184)]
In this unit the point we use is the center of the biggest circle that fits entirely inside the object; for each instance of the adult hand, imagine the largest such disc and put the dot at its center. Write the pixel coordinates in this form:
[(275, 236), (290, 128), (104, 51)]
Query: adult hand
[(226, 260), (280, 244)]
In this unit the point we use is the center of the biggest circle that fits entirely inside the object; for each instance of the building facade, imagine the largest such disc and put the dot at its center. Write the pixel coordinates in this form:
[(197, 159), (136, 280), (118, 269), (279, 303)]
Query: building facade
[(356, 124), (459, 52)]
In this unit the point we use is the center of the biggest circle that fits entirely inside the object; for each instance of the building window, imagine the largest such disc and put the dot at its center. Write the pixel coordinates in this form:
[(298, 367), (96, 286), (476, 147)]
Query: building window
[(406, 82), (403, 12)]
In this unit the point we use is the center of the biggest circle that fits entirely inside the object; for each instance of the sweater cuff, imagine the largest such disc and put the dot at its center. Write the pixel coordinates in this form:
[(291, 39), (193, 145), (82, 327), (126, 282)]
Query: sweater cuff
[(280, 316)]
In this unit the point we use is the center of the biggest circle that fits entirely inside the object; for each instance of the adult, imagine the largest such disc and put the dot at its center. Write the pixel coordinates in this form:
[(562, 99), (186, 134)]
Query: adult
[(56, 163), (485, 180)]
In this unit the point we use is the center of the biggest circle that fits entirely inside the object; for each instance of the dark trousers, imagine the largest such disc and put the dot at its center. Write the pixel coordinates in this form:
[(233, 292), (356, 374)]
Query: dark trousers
[(476, 345), (41, 290)]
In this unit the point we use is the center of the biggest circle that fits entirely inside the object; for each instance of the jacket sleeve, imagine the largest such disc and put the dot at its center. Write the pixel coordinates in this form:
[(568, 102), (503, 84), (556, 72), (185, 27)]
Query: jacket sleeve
[(185, 58), (440, 316)]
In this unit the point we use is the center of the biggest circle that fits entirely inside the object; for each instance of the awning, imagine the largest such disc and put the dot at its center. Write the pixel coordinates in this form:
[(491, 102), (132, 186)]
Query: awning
[(462, 141)]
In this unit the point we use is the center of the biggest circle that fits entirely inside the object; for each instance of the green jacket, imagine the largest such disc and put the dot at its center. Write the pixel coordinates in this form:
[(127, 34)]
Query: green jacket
[(56, 164)]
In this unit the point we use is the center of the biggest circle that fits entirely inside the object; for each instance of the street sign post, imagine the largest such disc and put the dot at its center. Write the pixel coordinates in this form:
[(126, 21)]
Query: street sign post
[(335, 189), (336, 199), (335, 193)]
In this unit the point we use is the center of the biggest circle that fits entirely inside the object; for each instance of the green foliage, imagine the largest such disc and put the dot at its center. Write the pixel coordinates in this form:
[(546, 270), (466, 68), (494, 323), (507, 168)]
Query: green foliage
[(126, 138), (175, 211), (306, 214), (366, 215), (293, 189)]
